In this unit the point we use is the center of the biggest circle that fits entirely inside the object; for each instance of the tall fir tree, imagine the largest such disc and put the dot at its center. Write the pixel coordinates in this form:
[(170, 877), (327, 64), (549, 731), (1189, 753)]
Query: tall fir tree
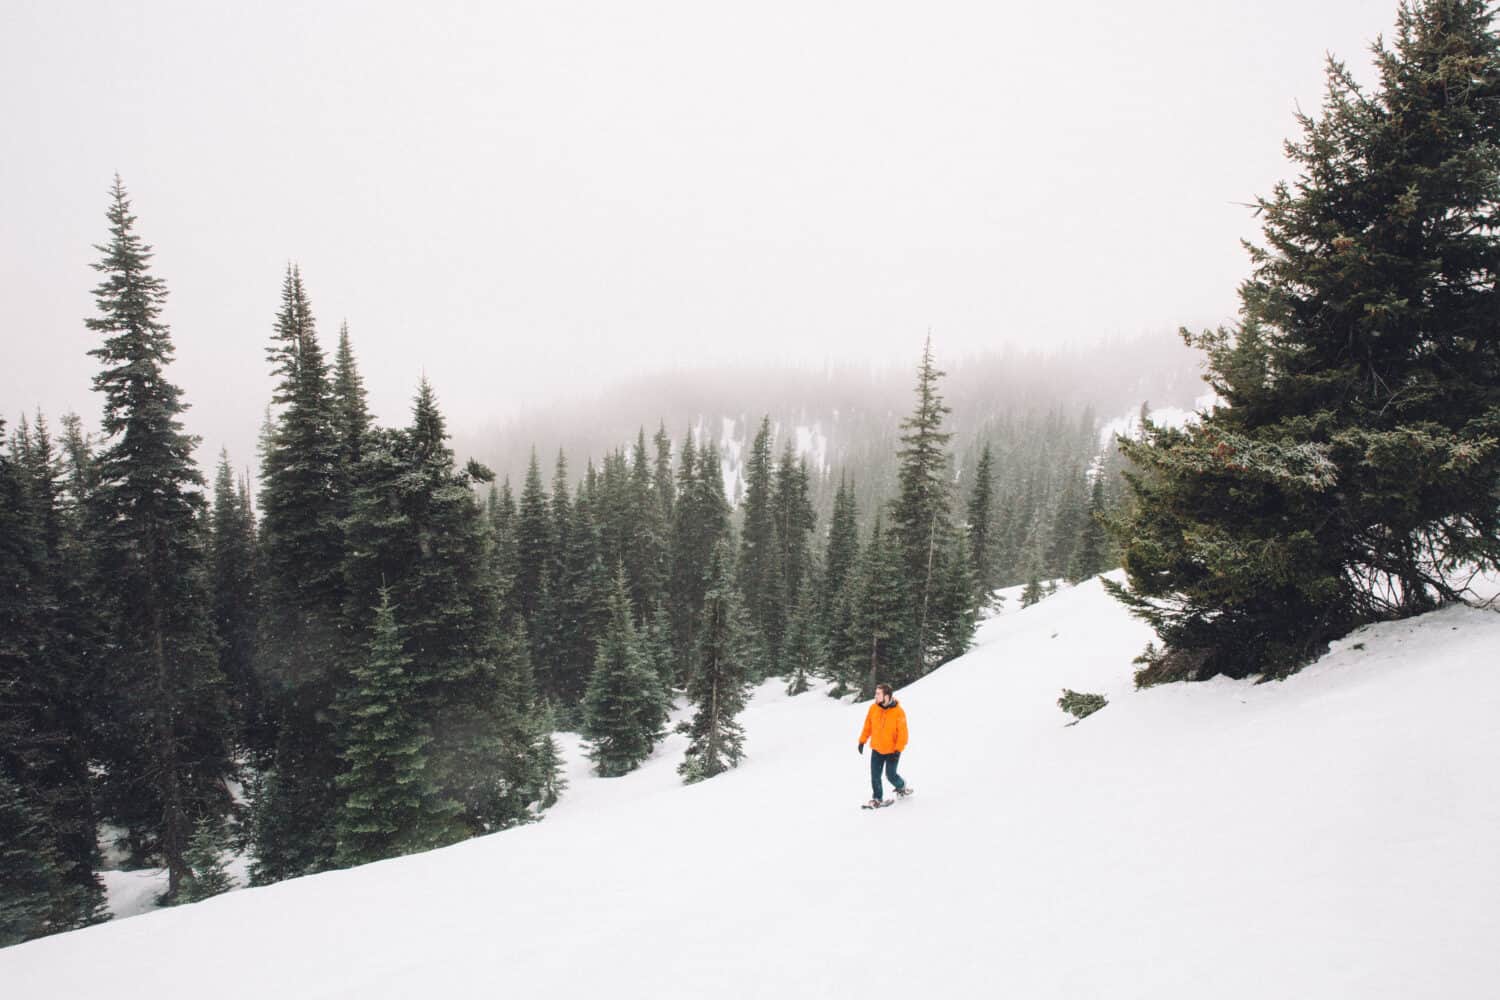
[(534, 544), (1351, 467), (795, 519), (921, 518), (717, 688), (647, 542), (981, 524), (389, 804), (1091, 557), (351, 416), (759, 568), (878, 640), (46, 811), (302, 641), (205, 857), (232, 558), (625, 708), (169, 750)]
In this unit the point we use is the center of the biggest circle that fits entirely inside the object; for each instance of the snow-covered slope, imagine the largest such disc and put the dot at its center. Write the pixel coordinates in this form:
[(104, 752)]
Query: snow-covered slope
[(1331, 836)]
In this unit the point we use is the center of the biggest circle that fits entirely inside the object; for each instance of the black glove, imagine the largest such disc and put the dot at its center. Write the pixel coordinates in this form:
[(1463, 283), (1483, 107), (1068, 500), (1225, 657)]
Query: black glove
[(861, 749)]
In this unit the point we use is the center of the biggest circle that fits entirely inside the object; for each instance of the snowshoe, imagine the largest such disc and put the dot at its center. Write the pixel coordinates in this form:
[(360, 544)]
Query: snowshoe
[(877, 803), (904, 791)]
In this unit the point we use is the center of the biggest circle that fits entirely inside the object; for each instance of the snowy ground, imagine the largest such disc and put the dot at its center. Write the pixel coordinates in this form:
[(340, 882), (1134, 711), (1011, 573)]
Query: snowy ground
[(1330, 836)]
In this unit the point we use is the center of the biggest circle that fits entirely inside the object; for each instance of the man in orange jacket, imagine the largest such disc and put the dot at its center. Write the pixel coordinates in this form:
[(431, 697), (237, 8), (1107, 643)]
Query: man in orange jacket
[(885, 731)]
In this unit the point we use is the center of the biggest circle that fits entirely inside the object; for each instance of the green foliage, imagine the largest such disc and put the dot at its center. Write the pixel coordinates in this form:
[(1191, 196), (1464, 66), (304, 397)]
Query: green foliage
[(166, 741), (1080, 705), (1353, 463), (625, 707), (717, 688), (37, 894), (209, 877), (390, 806)]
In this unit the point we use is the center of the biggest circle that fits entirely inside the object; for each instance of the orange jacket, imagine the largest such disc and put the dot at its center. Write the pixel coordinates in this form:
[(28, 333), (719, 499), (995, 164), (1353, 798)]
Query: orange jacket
[(885, 728)]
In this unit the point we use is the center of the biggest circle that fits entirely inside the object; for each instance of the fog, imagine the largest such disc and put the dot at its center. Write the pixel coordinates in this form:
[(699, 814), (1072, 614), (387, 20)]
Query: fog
[(528, 201)]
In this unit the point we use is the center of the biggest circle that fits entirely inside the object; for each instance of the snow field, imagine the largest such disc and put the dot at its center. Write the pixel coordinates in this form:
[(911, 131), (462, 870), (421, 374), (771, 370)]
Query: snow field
[(1332, 835)]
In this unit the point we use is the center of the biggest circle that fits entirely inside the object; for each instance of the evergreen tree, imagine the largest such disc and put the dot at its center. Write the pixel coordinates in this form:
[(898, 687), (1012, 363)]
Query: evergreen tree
[(417, 527), (390, 807), (717, 687), (792, 510), (647, 536), (37, 894), (45, 807), (659, 646), (534, 543), (169, 751), (805, 655), (955, 612), (500, 507), (351, 416), (1067, 525), (1092, 555), (1352, 465), (981, 518), (625, 709), (921, 518), (760, 577), (581, 605), (210, 877), (700, 521), (303, 642), (232, 558), (51, 713), (878, 637)]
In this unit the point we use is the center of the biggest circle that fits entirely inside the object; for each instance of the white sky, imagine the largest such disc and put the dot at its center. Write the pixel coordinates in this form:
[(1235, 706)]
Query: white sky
[(518, 197)]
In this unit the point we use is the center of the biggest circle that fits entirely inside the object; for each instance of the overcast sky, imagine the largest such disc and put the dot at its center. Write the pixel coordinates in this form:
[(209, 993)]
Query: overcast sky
[(526, 199)]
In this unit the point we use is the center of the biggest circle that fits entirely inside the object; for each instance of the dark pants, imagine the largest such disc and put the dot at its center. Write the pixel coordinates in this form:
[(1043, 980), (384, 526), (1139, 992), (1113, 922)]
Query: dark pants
[(889, 762)]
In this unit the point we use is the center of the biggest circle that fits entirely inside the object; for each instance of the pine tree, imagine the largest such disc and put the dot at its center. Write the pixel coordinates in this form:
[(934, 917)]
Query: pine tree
[(232, 558), (1067, 525), (37, 895), (625, 709), (417, 528), (50, 711), (390, 806), (759, 571), (955, 612), (500, 508), (700, 521), (981, 518), (46, 812), (581, 596), (792, 510), (1351, 466), (303, 641), (921, 517), (169, 751), (717, 687), (805, 655), (647, 546), (1092, 555), (210, 877), (351, 406), (534, 544), (878, 636)]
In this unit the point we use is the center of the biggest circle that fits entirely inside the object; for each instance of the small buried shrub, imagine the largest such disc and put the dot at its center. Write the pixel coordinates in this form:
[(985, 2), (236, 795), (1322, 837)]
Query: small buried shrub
[(1080, 704)]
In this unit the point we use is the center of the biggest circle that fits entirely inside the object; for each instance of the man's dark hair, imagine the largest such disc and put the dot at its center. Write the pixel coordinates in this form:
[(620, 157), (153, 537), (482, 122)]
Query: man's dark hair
[(883, 687)]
